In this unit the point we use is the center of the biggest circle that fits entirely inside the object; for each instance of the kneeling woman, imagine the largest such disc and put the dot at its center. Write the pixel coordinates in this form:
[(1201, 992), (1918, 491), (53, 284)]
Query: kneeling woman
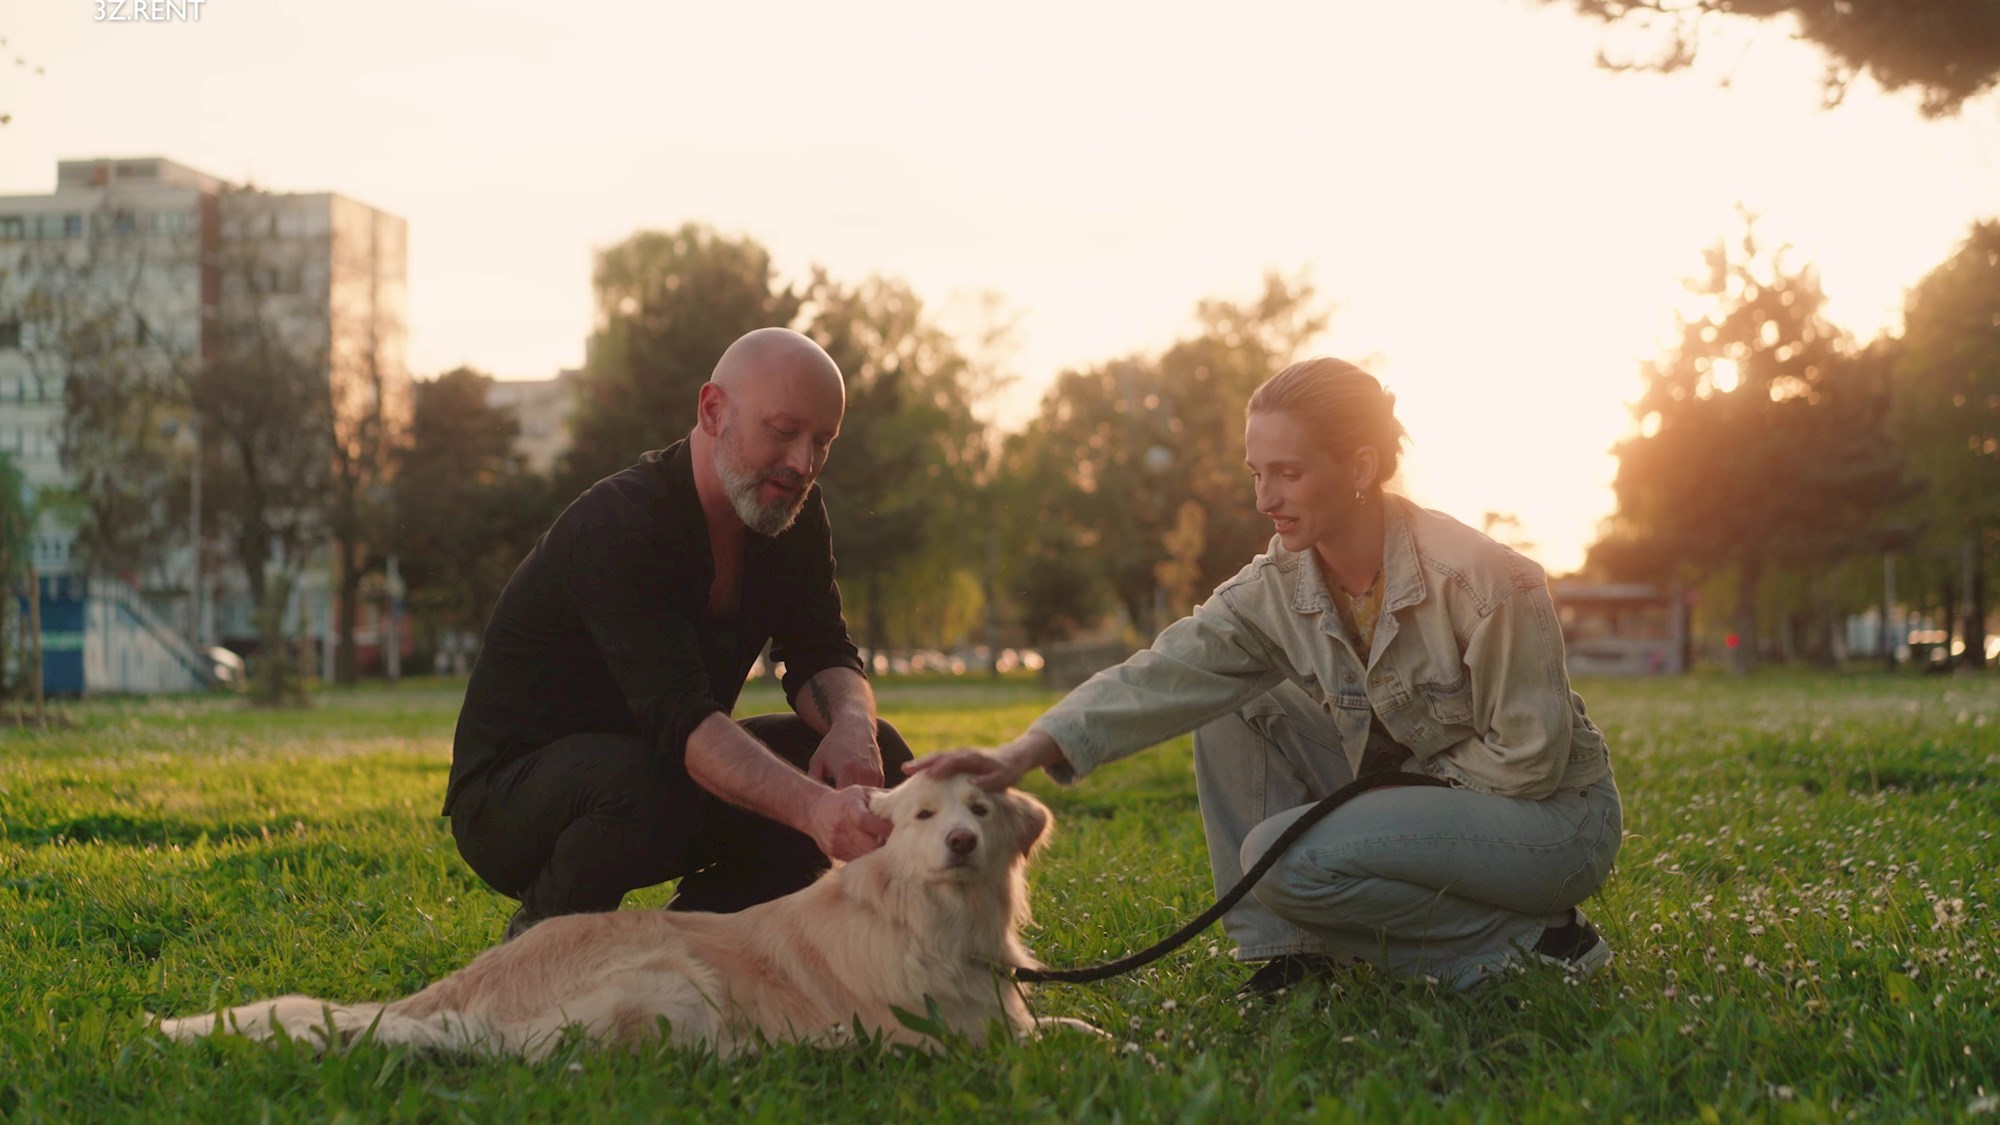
[(1371, 635)]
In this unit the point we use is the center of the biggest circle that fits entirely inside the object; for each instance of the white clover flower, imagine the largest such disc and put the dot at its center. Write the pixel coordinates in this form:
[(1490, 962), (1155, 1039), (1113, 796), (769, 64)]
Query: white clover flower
[(1949, 912)]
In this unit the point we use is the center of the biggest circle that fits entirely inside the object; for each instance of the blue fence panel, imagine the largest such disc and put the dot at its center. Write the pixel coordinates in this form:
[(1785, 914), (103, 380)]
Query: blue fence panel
[(62, 634)]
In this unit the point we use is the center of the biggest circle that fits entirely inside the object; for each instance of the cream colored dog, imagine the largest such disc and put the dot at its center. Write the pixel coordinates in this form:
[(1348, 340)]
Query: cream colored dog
[(933, 915)]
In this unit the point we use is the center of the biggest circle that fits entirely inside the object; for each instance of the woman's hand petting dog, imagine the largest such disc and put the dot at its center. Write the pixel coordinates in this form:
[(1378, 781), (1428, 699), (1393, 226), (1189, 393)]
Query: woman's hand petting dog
[(997, 769)]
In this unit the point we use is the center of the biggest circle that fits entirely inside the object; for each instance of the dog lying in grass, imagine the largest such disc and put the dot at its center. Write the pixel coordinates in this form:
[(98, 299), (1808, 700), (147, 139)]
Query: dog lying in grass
[(929, 923)]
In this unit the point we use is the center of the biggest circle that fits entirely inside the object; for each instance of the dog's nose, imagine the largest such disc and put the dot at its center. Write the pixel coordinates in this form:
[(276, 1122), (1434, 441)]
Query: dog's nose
[(961, 842)]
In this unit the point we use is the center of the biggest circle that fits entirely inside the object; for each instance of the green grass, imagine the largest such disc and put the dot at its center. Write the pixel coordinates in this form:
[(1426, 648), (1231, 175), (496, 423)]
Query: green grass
[(1803, 914)]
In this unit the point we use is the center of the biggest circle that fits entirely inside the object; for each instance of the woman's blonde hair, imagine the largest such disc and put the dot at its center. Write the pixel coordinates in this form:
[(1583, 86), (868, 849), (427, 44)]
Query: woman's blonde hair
[(1340, 405)]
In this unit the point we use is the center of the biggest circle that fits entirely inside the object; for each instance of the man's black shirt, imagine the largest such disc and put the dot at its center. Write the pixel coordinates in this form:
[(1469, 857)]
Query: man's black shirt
[(604, 627)]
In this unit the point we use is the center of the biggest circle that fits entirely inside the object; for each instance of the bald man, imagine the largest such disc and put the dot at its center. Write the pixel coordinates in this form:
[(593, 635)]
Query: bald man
[(595, 753)]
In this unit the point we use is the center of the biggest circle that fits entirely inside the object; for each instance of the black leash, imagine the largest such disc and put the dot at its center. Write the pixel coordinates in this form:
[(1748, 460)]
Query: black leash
[(1089, 973)]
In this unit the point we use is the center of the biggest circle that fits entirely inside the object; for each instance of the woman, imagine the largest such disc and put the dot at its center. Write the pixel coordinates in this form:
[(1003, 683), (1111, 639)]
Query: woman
[(1372, 635)]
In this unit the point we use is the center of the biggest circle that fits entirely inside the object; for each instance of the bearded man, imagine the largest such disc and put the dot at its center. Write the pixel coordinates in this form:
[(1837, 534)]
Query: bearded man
[(595, 753)]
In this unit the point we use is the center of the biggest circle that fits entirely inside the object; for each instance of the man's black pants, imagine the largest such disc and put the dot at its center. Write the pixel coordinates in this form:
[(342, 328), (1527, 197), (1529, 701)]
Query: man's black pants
[(569, 828)]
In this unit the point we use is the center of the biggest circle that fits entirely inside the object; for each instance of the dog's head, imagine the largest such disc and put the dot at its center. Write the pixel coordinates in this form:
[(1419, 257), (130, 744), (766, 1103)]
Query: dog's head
[(952, 830)]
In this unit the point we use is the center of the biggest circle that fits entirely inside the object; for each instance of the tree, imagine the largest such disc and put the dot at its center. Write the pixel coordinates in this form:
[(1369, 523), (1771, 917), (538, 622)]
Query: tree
[(137, 373), (668, 304), (1059, 593), (1208, 381), (98, 322), (369, 404), (909, 452), (1947, 50), (266, 418), (1948, 409), (1762, 444), (1121, 450), (17, 571), (467, 507), (247, 340)]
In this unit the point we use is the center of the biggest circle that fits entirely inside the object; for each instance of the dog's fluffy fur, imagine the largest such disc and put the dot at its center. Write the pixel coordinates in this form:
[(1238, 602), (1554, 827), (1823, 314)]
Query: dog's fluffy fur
[(934, 914)]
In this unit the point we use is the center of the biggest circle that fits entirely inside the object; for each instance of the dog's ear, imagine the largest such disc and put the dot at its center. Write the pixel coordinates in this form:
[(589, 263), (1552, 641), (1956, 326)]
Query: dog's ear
[(881, 802), (1031, 820)]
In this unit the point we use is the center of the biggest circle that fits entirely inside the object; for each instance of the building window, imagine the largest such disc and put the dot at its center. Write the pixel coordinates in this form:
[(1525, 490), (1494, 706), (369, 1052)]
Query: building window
[(13, 228), (72, 226), (10, 333)]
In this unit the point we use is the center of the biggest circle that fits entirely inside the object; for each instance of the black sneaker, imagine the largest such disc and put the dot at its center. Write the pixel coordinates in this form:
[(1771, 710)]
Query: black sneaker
[(1287, 970), (1576, 948), (517, 925)]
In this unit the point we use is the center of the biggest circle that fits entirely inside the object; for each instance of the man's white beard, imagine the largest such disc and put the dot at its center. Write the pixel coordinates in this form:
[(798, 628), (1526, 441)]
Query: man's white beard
[(764, 519)]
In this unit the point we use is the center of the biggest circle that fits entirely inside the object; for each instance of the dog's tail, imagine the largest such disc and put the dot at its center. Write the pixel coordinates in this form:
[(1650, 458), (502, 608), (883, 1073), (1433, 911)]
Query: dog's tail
[(324, 1023)]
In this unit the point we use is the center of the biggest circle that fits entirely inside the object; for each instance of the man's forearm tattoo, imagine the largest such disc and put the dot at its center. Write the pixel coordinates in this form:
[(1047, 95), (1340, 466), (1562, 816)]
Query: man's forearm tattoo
[(824, 700)]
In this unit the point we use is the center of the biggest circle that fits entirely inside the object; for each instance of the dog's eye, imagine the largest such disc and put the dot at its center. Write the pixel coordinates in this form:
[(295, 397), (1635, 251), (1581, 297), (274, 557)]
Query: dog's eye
[(925, 814), (979, 810)]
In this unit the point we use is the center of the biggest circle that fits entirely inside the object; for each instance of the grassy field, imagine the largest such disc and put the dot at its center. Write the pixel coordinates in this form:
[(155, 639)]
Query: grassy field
[(1803, 914)]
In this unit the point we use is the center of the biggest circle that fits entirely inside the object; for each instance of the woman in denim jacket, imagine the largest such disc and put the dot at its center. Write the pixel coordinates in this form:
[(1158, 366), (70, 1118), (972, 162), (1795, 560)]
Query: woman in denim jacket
[(1371, 635)]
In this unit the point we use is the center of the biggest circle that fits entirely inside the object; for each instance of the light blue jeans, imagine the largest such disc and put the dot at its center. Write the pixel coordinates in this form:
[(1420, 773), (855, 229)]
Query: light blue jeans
[(1447, 883)]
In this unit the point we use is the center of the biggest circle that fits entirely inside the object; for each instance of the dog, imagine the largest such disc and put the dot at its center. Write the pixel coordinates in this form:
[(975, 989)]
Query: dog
[(929, 923)]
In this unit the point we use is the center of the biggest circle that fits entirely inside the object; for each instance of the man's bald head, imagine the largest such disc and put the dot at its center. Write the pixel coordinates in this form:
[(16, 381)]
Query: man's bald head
[(776, 353), (768, 415)]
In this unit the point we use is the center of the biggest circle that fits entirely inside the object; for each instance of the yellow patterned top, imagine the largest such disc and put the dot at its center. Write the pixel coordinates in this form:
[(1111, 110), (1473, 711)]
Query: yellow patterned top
[(1359, 613)]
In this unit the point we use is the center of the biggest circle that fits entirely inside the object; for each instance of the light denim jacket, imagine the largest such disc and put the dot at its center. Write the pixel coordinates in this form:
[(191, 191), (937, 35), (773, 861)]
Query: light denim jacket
[(1466, 670)]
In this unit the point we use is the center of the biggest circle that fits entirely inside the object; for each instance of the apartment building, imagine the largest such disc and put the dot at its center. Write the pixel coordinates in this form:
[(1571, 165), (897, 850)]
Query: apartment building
[(543, 408), (163, 258)]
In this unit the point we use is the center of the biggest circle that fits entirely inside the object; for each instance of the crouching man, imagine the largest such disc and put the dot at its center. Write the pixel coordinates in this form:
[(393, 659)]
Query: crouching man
[(596, 754)]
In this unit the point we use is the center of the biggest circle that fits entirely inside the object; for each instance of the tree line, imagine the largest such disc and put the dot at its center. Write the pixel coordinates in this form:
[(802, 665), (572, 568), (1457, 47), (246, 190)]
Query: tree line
[(1798, 476), (1774, 463), (1123, 500), (1791, 472)]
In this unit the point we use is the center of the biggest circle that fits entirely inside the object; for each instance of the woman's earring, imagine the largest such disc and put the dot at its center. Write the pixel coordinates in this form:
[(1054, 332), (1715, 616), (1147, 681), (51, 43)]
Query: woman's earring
[(1360, 497)]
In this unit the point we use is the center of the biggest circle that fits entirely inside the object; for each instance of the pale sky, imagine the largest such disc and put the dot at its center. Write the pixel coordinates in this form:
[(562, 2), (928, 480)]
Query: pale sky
[(1501, 226)]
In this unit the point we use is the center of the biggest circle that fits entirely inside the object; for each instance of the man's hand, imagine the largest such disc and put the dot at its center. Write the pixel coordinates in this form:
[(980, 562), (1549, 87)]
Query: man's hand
[(848, 755), (844, 827)]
